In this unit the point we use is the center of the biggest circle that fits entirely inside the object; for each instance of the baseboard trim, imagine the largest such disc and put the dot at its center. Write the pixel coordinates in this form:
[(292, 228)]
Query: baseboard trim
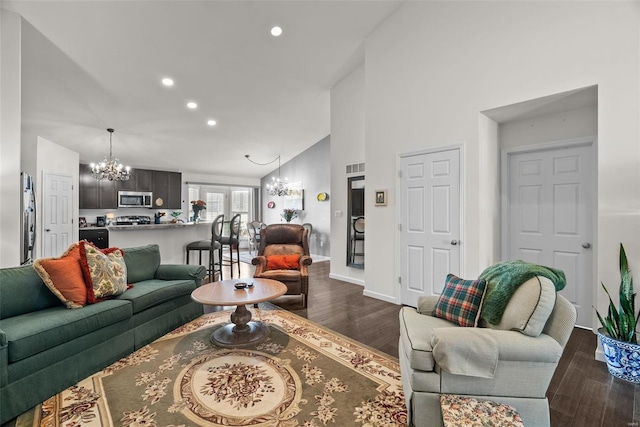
[(346, 279), (382, 297)]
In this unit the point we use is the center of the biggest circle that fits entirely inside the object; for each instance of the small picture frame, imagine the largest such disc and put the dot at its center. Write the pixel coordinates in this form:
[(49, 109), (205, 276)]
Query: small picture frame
[(381, 198), (82, 222)]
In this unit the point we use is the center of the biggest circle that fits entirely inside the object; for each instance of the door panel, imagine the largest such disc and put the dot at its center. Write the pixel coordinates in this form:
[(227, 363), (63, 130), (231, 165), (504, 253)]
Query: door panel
[(430, 215), (550, 216), (57, 220)]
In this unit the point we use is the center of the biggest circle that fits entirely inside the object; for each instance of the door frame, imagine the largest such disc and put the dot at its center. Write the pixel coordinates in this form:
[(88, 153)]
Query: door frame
[(398, 212), (592, 143)]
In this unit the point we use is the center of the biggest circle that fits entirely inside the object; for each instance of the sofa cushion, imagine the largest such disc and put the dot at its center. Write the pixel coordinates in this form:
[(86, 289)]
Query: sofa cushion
[(142, 262), (104, 270), (416, 331), (63, 276), (529, 307), (149, 293), (460, 301), (38, 331), (23, 291)]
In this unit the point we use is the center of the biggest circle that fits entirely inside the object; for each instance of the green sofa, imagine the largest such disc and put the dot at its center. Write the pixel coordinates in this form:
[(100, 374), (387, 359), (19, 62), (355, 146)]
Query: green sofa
[(46, 347)]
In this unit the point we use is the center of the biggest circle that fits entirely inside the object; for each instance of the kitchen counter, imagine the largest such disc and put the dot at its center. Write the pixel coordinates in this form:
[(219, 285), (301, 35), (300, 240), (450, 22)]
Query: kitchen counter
[(161, 226), (171, 237)]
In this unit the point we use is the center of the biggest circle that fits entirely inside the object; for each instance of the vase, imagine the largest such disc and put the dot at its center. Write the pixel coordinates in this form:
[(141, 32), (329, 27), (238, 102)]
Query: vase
[(196, 213), (623, 358)]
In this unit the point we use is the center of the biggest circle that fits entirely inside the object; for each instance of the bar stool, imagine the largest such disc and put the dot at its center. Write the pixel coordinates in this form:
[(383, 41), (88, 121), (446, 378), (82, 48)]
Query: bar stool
[(211, 246), (231, 241)]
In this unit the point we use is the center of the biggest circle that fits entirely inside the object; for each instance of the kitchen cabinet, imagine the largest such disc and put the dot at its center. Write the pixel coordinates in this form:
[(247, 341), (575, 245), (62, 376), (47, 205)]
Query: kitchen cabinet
[(96, 194), (140, 180), (101, 194), (167, 187), (99, 237)]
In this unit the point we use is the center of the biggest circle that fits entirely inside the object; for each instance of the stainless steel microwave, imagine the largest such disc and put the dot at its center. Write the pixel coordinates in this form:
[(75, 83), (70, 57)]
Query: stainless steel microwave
[(135, 199)]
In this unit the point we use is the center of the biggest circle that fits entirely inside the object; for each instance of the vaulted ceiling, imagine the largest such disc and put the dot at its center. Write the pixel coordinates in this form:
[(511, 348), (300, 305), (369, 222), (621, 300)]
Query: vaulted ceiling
[(91, 65)]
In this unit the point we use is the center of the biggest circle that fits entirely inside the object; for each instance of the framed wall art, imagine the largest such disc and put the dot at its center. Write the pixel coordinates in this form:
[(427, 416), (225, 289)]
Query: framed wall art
[(381, 198)]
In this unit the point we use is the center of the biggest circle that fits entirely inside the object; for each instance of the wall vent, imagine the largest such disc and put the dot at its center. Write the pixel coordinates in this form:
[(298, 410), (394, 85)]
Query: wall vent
[(355, 168)]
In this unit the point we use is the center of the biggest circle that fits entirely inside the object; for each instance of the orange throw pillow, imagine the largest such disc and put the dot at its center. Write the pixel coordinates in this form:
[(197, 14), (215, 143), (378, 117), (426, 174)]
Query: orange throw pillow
[(63, 276), (283, 262)]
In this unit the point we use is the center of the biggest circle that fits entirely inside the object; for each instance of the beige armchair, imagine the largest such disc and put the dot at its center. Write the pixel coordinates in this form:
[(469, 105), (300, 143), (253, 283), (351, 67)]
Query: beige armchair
[(285, 239), (510, 363)]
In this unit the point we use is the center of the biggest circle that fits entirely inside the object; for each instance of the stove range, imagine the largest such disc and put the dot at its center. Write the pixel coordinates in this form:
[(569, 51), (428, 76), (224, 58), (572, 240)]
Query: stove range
[(133, 220)]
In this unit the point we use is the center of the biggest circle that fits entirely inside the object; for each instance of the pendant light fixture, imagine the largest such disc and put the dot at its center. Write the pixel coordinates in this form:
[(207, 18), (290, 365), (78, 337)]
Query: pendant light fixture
[(277, 187), (110, 169)]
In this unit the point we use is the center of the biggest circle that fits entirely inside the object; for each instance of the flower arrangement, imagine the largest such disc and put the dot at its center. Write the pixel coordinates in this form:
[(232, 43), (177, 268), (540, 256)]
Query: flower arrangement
[(289, 214), (198, 205)]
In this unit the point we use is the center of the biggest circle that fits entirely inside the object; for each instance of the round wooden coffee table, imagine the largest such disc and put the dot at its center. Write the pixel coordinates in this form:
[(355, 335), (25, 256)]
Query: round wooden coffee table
[(242, 330)]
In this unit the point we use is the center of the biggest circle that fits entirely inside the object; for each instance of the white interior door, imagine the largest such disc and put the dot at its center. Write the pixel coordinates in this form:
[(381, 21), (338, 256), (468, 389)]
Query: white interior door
[(430, 221), (550, 217), (57, 208)]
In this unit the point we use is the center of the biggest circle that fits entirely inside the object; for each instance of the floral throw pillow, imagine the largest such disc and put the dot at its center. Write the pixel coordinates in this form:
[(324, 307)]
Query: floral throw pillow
[(466, 411), (460, 301), (105, 272)]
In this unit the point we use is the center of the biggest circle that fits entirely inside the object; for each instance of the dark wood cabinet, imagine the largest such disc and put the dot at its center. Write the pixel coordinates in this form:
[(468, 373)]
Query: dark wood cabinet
[(167, 188), (175, 190), (99, 237), (140, 180), (96, 194)]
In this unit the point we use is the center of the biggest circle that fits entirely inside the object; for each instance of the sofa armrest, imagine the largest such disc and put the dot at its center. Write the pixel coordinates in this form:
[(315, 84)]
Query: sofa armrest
[(427, 304), (4, 359), (181, 271)]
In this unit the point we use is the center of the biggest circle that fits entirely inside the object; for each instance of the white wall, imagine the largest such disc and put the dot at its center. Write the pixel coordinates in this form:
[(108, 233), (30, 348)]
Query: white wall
[(56, 159), (311, 170), (347, 148), (578, 123), (10, 124), (433, 66)]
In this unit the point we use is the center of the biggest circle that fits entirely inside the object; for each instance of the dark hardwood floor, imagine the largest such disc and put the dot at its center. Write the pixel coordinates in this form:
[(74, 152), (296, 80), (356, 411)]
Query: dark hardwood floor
[(581, 393)]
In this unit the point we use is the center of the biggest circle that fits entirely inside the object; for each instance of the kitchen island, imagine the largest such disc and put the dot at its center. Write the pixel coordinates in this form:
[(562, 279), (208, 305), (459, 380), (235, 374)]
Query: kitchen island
[(171, 237)]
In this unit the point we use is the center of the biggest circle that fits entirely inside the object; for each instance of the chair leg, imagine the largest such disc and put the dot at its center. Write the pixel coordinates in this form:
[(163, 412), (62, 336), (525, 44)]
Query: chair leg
[(238, 258), (220, 261)]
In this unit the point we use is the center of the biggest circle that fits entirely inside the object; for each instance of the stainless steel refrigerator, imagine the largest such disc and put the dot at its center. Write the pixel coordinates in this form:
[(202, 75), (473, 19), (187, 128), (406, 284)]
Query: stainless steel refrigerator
[(28, 223)]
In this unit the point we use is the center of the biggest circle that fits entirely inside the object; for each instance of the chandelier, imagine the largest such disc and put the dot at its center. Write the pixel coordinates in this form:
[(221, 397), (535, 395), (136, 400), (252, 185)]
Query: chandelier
[(277, 187), (111, 169)]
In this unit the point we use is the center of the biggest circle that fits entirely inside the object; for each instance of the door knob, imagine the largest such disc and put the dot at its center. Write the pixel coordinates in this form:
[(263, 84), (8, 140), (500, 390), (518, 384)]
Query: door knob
[(454, 242), (47, 229), (586, 245)]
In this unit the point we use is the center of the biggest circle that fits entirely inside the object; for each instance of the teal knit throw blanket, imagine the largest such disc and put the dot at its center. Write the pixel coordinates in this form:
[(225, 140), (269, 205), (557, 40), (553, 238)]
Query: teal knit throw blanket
[(504, 278)]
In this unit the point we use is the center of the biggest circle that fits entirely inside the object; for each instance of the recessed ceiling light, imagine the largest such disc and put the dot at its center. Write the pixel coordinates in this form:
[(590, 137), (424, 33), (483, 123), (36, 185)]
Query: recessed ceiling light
[(211, 122), (167, 81), (192, 105), (276, 31)]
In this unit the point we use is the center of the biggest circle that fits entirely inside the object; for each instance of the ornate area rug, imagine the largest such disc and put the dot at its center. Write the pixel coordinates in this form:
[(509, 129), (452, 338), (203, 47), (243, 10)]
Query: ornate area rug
[(302, 375)]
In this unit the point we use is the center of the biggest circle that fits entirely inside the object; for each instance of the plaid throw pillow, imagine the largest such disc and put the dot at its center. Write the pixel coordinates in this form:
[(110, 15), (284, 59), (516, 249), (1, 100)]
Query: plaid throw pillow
[(460, 301)]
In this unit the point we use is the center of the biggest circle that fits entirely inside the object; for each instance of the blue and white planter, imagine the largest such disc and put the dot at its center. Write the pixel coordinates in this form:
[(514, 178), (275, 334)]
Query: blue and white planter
[(623, 358)]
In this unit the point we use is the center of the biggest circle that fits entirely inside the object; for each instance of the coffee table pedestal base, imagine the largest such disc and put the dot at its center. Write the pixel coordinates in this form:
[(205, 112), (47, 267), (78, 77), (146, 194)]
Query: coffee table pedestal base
[(242, 331)]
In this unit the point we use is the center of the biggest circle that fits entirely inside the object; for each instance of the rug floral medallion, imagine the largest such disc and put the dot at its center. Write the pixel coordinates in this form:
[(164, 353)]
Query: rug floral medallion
[(301, 375)]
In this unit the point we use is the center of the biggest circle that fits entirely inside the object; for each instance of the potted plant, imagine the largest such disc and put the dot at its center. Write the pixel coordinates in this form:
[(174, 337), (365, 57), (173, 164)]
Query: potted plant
[(289, 214), (618, 333)]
